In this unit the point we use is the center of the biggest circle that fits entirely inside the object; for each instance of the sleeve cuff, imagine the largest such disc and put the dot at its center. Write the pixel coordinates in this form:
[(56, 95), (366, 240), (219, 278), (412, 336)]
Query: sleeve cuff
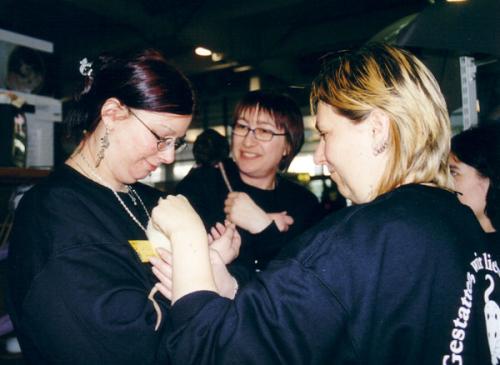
[(189, 305)]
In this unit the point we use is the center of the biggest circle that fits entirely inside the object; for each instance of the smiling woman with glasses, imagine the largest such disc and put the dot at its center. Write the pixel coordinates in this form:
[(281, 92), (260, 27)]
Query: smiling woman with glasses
[(249, 189), (78, 287)]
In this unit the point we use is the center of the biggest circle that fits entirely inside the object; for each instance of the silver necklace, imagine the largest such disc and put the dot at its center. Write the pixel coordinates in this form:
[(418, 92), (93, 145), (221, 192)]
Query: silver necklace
[(131, 192)]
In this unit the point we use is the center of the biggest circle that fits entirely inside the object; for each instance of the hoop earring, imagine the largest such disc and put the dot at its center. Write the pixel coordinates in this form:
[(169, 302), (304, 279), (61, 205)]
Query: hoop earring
[(104, 146)]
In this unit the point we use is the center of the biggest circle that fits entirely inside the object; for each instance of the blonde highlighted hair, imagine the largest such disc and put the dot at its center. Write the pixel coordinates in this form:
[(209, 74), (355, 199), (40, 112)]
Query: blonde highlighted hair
[(394, 81)]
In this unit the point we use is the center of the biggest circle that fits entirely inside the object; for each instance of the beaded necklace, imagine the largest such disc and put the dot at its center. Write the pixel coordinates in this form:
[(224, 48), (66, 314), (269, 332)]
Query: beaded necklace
[(131, 192)]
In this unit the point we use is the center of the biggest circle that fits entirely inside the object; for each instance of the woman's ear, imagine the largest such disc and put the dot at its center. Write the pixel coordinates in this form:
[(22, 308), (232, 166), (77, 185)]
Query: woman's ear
[(287, 150), (380, 126), (113, 111), (484, 184)]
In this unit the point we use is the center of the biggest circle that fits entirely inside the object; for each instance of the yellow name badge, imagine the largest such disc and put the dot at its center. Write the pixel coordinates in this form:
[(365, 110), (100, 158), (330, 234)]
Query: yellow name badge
[(144, 249)]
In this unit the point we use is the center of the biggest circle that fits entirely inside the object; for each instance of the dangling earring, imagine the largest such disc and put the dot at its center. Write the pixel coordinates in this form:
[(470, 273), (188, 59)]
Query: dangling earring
[(381, 148), (104, 146)]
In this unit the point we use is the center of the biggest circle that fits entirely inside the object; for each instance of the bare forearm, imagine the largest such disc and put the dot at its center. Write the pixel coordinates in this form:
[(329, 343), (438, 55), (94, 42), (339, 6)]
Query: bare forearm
[(191, 265)]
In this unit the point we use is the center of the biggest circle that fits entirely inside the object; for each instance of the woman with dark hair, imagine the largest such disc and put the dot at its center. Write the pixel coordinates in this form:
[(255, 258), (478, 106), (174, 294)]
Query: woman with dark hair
[(475, 167), (268, 209), (78, 290), (397, 278)]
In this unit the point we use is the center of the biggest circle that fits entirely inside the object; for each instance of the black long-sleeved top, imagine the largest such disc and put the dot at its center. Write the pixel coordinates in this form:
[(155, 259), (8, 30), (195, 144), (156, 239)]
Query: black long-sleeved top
[(205, 189), (399, 280), (77, 290)]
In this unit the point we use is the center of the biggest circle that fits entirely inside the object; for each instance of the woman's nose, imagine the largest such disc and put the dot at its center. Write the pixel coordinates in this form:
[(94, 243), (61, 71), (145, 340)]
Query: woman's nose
[(319, 153), (167, 156), (249, 139)]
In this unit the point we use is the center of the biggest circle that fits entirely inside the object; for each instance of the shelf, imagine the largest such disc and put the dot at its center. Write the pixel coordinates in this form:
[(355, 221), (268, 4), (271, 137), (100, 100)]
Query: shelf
[(16, 175)]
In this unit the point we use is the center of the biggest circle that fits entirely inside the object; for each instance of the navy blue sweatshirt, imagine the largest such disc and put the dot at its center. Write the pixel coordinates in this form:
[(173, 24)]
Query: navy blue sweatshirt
[(400, 280)]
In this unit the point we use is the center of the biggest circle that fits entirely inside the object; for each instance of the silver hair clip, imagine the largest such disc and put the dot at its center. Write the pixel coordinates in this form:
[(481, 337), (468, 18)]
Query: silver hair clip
[(85, 67)]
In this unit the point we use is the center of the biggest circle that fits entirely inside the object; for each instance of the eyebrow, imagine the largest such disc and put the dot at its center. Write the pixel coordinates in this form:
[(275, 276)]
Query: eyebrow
[(169, 129), (260, 122)]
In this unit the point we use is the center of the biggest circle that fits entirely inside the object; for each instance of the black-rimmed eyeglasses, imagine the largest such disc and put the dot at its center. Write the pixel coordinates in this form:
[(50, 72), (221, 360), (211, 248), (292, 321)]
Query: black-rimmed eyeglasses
[(261, 134), (163, 143)]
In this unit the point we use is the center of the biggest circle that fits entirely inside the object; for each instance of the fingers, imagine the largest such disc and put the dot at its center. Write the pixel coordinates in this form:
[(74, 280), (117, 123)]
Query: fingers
[(220, 227), (236, 241), (162, 269), (163, 265), (165, 255), (165, 291), (288, 219), (228, 232), (282, 220), (164, 279), (215, 234), (232, 199), (175, 214), (182, 197)]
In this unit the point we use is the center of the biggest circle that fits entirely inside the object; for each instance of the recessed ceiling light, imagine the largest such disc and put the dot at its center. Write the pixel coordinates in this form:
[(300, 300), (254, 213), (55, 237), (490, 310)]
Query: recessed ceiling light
[(202, 51), (216, 56), (242, 68)]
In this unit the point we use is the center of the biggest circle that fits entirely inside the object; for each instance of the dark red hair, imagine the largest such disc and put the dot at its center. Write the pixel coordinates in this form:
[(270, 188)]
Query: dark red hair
[(142, 80)]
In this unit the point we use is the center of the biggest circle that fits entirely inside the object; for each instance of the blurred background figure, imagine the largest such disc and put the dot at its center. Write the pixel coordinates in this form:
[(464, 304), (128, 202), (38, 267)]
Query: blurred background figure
[(475, 167), (209, 148), (248, 190)]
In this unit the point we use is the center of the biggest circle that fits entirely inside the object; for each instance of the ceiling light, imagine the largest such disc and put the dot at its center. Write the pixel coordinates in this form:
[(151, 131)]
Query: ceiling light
[(201, 51), (216, 57), (254, 83), (242, 68)]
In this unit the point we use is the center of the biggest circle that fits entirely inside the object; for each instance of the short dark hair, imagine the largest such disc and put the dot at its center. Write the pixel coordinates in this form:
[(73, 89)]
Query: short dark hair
[(210, 147), (286, 114), (479, 148), (140, 80)]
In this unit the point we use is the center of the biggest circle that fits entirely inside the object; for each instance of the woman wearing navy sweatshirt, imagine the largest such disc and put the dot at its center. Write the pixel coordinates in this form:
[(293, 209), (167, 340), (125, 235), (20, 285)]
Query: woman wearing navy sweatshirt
[(401, 277)]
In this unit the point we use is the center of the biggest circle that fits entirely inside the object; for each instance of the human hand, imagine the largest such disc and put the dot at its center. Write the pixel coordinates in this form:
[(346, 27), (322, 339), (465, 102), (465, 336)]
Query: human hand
[(226, 240), (156, 237), (282, 220), (227, 286), (241, 210), (162, 269), (176, 218)]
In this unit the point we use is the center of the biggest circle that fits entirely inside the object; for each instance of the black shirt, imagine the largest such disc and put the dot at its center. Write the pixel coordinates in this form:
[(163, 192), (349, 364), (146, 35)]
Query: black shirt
[(205, 189), (78, 291)]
